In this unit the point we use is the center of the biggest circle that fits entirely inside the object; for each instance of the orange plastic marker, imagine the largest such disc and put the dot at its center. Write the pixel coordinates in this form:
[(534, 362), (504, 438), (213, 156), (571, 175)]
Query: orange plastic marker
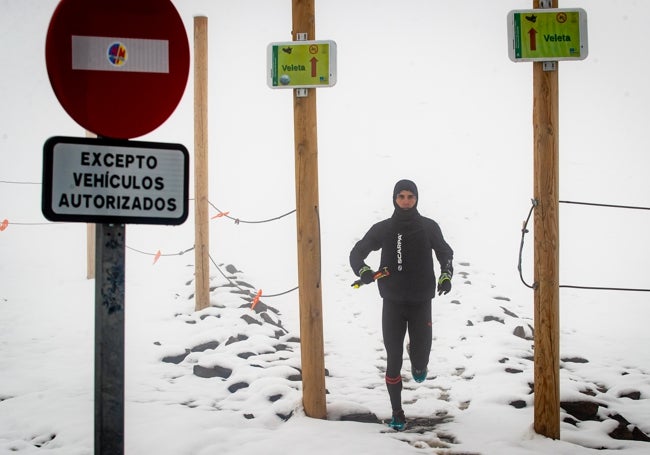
[(256, 299), (220, 214)]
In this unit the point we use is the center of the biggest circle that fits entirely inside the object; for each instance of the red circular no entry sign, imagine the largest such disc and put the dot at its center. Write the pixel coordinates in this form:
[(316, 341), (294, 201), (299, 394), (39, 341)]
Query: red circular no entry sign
[(118, 67)]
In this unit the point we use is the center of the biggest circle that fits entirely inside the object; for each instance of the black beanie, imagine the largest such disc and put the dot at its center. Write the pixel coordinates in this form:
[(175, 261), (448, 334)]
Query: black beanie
[(407, 185)]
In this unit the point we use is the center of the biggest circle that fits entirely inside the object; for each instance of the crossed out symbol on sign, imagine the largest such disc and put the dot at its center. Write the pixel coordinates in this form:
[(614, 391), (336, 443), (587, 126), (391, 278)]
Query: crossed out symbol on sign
[(561, 18)]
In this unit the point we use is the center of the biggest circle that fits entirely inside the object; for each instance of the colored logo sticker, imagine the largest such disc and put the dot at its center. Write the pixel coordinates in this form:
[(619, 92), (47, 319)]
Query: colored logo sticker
[(117, 54)]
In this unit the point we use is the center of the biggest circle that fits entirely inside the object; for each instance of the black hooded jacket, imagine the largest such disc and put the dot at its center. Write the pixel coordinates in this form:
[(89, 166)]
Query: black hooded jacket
[(406, 240)]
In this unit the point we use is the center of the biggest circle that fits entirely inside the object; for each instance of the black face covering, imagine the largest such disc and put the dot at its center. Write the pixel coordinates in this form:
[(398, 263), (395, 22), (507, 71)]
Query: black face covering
[(407, 185), (405, 214)]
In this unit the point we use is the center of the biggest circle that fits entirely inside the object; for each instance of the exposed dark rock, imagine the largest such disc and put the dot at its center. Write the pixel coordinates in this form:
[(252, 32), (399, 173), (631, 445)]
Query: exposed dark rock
[(176, 358), (245, 284), (508, 312), (249, 416), (636, 395), (571, 421), (366, 417), (521, 332), (518, 404), (214, 344), (493, 318), (626, 431), (250, 320), (274, 398), (469, 323), (588, 392), (245, 355), (232, 269), (237, 386), (575, 360), (284, 417), (581, 410), (514, 370), (233, 339), (214, 372), (260, 307)]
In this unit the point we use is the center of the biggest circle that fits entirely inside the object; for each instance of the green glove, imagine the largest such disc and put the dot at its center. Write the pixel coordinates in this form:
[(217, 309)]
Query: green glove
[(444, 283)]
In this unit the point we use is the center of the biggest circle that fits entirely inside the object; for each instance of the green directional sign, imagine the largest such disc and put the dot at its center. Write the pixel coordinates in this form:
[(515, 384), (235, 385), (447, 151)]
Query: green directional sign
[(301, 64), (547, 35)]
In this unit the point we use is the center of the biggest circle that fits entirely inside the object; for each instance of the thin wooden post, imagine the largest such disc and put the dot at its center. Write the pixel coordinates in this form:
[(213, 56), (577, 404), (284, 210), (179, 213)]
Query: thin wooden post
[(201, 221), (90, 240), (90, 251), (547, 298), (308, 233)]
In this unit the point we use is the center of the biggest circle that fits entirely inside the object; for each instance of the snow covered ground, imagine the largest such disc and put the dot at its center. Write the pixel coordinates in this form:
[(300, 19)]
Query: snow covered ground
[(415, 99)]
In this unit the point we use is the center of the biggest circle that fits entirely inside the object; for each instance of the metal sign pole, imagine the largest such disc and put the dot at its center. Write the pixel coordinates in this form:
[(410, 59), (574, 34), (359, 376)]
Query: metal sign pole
[(109, 339)]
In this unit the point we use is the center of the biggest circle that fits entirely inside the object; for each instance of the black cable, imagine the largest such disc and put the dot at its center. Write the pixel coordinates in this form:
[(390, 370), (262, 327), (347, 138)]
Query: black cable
[(606, 205), (603, 288), (524, 231), (238, 220), (161, 255), (246, 290), (11, 182)]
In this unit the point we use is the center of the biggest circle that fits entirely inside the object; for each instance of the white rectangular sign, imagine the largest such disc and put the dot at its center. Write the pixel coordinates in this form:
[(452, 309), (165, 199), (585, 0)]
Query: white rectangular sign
[(101, 180), (100, 53)]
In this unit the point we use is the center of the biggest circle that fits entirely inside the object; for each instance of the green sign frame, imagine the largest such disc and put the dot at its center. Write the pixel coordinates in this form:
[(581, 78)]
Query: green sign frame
[(543, 35), (301, 64)]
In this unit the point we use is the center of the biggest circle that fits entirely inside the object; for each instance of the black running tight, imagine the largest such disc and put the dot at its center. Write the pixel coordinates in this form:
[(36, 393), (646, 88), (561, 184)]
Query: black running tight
[(397, 319)]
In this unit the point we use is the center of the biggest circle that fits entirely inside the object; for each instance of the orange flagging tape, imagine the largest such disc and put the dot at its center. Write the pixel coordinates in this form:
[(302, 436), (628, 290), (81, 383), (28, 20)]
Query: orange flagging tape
[(256, 299), (4, 224), (220, 214), (156, 257)]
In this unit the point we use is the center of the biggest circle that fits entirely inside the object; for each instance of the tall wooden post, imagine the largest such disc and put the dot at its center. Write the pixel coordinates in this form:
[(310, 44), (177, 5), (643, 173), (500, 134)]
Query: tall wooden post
[(201, 220), (90, 240), (307, 213), (546, 192)]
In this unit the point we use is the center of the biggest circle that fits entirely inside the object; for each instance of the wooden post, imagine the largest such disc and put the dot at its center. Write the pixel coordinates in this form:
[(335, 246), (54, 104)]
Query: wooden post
[(308, 233), (90, 251), (201, 220), (90, 240), (546, 193)]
